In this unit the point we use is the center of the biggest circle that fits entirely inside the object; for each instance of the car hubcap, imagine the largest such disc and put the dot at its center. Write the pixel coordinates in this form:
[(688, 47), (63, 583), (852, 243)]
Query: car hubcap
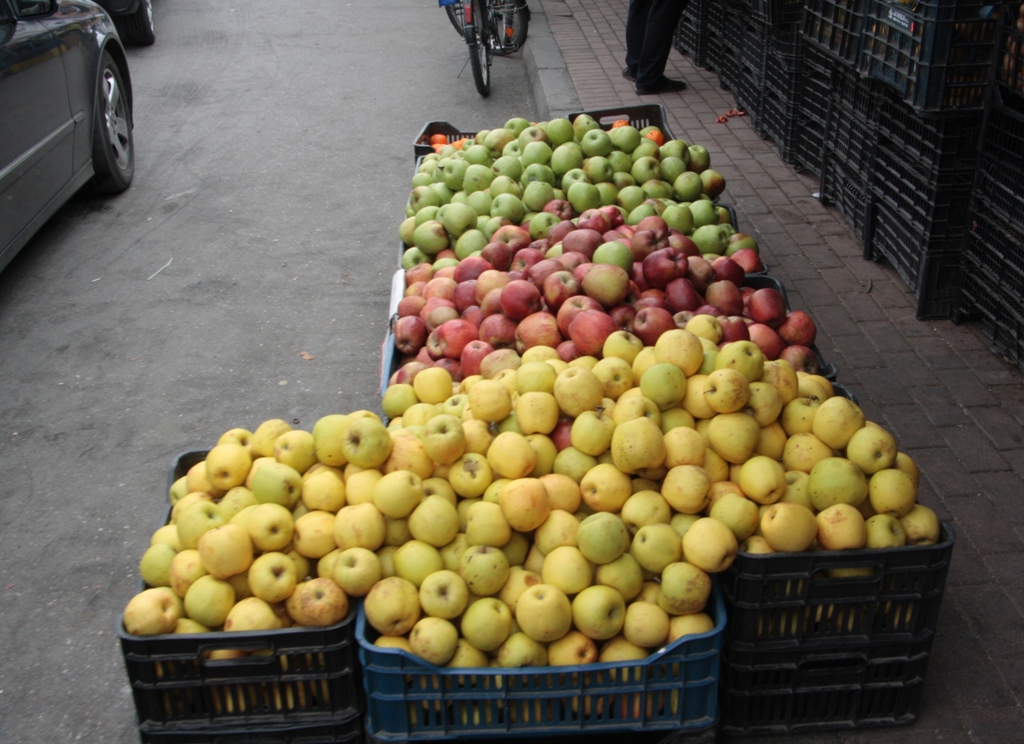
[(116, 118)]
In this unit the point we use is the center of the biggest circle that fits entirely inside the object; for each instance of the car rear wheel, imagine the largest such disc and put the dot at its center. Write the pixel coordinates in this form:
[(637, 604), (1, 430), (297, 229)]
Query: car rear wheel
[(137, 28), (113, 147)]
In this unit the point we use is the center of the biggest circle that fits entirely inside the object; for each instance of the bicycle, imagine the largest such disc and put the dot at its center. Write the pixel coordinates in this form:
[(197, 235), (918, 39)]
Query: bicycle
[(490, 28)]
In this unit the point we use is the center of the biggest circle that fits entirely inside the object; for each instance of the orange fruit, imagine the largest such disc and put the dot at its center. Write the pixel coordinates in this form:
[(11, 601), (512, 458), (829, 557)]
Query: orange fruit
[(438, 139), (657, 136), (620, 123)]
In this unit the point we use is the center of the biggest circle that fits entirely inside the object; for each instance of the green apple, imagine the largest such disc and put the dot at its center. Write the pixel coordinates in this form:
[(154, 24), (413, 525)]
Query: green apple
[(602, 537), (684, 589)]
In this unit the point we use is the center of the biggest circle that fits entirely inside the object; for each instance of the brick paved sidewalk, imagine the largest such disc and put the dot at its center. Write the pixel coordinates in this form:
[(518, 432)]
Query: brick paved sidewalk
[(951, 402)]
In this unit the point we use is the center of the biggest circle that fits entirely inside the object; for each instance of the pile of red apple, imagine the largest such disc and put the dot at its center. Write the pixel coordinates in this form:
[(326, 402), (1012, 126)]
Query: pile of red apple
[(512, 297)]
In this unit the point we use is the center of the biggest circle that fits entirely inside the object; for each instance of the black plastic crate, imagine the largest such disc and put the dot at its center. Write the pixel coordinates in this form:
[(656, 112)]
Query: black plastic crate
[(300, 676), (317, 733), (808, 146), (816, 79), (692, 36), (937, 53), (421, 145), (834, 27), (1001, 157), (997, 248), (715, 19), (777, 12), (843, 186), (787, 600), (938, 143), (931, 268), (1009, 58), (1001, 315), (787, 691)]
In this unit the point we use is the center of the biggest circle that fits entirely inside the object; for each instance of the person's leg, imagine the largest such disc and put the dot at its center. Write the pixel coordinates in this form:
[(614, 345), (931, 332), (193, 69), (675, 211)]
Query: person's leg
[(636, 31), (662, 20)]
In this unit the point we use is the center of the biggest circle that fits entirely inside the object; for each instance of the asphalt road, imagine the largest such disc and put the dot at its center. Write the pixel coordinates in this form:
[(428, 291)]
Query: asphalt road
[(244, 276)]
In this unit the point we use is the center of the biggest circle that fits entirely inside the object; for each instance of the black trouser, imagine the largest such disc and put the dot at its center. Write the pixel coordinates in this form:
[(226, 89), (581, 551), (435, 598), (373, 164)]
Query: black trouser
[(650, 28)]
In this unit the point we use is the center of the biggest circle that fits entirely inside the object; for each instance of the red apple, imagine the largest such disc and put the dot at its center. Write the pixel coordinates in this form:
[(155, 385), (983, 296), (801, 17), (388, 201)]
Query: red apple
[(614, 215), (424, 357), (407, 372), (498, 360), (594, 219), (582, 240), (733, 328), (725, 296), (662, 266), (470, 268), (728, 270), (540, 271), (440, 287), (539, 329), (448, 272), (798, 329), (567, 351), (749, 259), (770, 343), (680, 294), (711, 310), (557, 233), (446, 253), (430, 305), (655, 224), (561, 435), (606, 283), (644, 243), (453, 367), (700, 271), (520, 298), (651, 322), (490, 279), (801, 358), (636, 274), (473, 314), (525, 258), (410, 334), (472, 354), (571, 260), (627, 231), (541, 244), (590, 329), (440, 315), (513, 275), (410, 306), (561, 208), (683, 317), (571, 308), (465, 295), (415, 289), (683, 243), (491, 303), (499, 255), (515, 236), (454, 335), (423, 272), (559, 287), (767, 305), (623, 315), (497, 330), (581, 271)]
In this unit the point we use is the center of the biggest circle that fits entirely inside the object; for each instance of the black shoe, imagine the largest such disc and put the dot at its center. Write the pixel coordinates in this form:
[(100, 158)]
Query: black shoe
[(665, 85), (628, 75)]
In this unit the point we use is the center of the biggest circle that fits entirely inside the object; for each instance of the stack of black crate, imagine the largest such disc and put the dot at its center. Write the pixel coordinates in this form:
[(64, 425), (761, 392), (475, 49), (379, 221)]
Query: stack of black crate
[(932, 61), (993, 249)]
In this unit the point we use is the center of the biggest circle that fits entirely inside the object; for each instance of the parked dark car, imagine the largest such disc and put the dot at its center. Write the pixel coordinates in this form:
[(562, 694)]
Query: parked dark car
[(65, 112), (133, 19)]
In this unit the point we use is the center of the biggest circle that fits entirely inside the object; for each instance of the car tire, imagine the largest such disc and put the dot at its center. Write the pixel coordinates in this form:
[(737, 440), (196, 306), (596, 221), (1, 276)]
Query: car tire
[(113, 146), (137, 28)]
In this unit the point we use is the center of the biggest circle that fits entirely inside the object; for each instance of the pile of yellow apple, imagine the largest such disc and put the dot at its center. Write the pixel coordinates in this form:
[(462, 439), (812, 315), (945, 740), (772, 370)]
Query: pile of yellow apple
[(553, 513)]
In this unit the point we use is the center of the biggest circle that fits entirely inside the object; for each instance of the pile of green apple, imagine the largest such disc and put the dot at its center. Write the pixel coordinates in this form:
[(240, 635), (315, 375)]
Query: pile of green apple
[(538, 175)]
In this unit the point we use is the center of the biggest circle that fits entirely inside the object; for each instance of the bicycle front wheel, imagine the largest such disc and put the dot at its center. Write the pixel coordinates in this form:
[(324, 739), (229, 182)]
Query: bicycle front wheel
[(479, 49)]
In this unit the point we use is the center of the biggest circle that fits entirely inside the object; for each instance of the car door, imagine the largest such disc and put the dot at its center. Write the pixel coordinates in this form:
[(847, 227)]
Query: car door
[(36, 124)]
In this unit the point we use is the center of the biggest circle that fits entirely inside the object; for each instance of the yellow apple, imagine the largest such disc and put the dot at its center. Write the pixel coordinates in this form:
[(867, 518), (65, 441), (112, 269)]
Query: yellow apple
[(602, 537), (209, 600), (543, 612), (264, 436), (313, 534), (272, 577), (646, 624), (598, 612), (788, 527), (796, 489), (637, 444), (524, 502), (836, 421), (577, 390), (297, 449), (780, 374), (706, 327), (486, 623), (733, 436), (328, 435), (615, 374), (885, 531), (681, 348), (536, 412), (511, 456), (921, 525), (622, 345), (872, 448), (359, 486), (709, 545), (185, 568), (685, 488), (803, 450), (152, 611), (684, 446), (435, 521), (797, 416), (433, 385), (604, 487), (566, 567), (645, 507), (227, 465), (367, 442), (644, 359), (392, 606), (519, 650), (841, 527), (684, 588), (836, 480), (359, 526), (685, 625), (444, 594), (356, 571), (397, 493), (560, 528), (892, 491), (726, 390), (763, 480), (563, 491), (665, 384), (486, 525), (738, 513), (484, 569), (226, 550)]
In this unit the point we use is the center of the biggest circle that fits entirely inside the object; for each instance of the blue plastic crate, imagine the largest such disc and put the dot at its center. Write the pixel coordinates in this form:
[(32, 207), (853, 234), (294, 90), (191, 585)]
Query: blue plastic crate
[(675, 688)]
